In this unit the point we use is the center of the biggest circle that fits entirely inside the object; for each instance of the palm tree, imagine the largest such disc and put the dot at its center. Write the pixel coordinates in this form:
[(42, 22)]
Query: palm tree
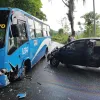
[(71, 7)]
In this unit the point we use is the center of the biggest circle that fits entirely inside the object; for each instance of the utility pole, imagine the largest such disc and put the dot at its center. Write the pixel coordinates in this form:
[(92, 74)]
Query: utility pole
[(94, 30)]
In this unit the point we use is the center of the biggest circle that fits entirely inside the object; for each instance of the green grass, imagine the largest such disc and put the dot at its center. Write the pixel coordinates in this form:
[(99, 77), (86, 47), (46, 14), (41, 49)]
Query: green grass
[(61, 38)]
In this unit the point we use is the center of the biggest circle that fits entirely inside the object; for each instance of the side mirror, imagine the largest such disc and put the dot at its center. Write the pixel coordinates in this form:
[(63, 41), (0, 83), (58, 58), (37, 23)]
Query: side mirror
[(15, 30)]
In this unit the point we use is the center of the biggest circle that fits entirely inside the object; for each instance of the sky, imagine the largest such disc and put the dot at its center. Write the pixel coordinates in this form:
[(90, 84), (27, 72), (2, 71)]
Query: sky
[(56, 10)]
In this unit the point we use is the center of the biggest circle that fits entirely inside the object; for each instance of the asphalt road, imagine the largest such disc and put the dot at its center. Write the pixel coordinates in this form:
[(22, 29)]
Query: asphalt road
[(62, 83)]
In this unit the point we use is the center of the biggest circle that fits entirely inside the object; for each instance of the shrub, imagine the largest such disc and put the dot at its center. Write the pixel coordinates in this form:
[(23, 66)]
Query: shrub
[(61, 38)]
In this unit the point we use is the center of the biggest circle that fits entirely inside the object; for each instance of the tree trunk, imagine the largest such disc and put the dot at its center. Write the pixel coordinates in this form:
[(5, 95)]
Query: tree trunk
[(71, 6), (71, 16), (71, 19), (72, 27)]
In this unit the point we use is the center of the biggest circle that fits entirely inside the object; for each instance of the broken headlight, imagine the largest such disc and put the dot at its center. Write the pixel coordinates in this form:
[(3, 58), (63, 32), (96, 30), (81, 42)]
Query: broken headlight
[(3, 71)]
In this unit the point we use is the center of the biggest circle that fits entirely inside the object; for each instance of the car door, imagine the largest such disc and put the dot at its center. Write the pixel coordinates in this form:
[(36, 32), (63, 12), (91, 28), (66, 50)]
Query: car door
[(74, 53)]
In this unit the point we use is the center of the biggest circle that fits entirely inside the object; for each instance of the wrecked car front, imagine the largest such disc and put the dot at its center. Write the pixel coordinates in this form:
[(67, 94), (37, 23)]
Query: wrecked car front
[(54, 53)]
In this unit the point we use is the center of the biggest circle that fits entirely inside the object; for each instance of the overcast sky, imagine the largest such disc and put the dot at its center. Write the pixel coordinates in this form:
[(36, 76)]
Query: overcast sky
[(56, 10)]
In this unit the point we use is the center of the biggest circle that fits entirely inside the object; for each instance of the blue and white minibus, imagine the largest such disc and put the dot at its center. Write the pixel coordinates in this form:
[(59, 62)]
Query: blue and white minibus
[(24, 40)]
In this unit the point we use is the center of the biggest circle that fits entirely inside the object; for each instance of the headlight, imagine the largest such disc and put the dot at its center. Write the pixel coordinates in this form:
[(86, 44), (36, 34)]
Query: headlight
[(3, 71)]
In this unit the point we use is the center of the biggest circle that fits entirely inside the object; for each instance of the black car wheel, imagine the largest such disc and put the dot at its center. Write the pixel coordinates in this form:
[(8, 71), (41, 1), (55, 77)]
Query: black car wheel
[(54, 62)]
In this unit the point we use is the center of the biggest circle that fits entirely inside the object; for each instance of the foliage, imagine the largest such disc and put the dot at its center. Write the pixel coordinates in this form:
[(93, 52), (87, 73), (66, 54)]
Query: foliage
[(89, 24), (66, 29), (71, 6), (79, 36), (30, 6), (52, 32), (89, 18), (60, 31), (64, 25), (61, 38)]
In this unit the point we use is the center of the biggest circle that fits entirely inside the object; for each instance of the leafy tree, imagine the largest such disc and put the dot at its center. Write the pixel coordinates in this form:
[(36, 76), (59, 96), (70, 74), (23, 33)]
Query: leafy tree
[(89, 18), (53, 32), (30, 6), (80, 26), (71, 6), (60, 31), (66, 29), (64, 25), (89, 22)]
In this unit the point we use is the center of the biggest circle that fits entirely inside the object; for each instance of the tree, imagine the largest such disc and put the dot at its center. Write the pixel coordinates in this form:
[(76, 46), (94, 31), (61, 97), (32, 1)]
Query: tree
[(71, 6), (89, 22), (53, 32), (30, 6), (63, 23), (80, 26), (66, 29), (60, 31)]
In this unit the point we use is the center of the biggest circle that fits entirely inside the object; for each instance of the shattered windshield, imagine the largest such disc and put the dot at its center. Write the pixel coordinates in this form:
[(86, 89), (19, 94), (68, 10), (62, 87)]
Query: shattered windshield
[(3, 24)]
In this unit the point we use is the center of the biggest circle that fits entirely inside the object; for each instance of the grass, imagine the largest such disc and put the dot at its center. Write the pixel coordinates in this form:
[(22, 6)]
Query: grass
[(61, 38)]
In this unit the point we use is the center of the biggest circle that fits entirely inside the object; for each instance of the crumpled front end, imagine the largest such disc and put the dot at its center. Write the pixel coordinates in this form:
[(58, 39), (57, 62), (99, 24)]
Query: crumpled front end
[(52, 54)]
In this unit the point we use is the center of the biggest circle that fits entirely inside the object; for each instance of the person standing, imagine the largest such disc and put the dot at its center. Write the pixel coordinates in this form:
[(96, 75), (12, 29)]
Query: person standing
[(71, 38)]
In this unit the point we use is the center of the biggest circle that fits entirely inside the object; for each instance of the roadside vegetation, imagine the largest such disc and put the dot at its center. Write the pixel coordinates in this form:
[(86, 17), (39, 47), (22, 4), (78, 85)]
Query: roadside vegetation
[(62, 38), (31, 6), (86, 29), (59, 36)]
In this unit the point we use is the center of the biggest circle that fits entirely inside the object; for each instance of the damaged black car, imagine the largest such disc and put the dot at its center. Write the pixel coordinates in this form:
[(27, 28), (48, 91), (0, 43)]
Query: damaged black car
[(84, 52)]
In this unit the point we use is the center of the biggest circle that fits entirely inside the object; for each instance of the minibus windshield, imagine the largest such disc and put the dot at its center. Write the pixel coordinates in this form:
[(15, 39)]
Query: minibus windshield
[(3, 25)]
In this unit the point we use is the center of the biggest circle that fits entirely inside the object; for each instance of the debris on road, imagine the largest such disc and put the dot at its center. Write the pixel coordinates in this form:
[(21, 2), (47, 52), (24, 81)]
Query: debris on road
[(29, 77), (2, 92), (39, 91), (38, 83), (69, 98), (21, 95), (10, 90)]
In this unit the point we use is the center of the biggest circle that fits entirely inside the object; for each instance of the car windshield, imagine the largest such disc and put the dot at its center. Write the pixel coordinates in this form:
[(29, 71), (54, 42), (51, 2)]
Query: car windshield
[(3, 24)]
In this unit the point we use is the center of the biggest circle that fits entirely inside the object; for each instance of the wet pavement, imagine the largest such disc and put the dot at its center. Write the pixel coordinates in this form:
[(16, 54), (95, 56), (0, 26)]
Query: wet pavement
[(62, 83)]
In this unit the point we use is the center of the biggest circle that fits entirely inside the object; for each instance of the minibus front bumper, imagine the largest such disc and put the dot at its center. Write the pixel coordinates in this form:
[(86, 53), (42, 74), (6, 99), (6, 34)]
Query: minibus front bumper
[(4, 81)]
